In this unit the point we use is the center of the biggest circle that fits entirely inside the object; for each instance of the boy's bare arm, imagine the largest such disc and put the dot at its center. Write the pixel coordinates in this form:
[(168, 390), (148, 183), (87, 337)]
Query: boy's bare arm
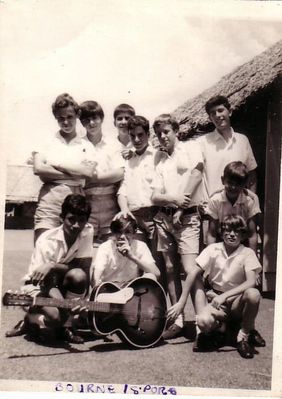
[(252, 181), (45, 171), (166, 199), (253, 238), (194, 179), (212, 231), (60, 171), (110, 177), (240, 289), (148, 267)]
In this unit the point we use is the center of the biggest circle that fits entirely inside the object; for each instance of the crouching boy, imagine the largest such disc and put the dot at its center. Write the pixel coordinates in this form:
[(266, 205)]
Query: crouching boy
[(59, 269), (231, 269), (122, 258)]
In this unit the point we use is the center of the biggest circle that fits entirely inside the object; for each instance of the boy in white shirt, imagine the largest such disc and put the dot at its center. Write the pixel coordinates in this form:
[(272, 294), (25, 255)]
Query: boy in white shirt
[(62, 166), (231, 269), (222, 146), (122, 258), (101, 188), (59, 269), (177, 191), (234, 199)]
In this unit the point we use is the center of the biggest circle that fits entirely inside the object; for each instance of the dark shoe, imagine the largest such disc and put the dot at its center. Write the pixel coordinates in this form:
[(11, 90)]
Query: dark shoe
[(69, 336), (255, 339), (219, 339), (173, 331), (245, 349), (19, 329), (203, 343)]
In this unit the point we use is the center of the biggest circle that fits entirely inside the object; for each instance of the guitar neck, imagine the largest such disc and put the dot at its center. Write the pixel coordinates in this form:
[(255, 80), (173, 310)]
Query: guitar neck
[(71, 303)]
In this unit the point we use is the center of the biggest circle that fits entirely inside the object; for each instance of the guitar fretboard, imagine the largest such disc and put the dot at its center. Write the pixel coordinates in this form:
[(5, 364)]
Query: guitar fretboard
[(71, 303)]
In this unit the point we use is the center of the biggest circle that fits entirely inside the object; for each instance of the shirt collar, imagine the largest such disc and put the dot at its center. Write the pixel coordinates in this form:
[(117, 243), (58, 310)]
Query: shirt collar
[(76, 139), (149, 150), (239, 200), (59, 234), (235, 253), (218, 136)]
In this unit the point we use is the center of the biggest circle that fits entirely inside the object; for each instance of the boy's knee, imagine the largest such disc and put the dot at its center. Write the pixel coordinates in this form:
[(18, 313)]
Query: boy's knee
[(206, 321), (75, 280), (252, 295)]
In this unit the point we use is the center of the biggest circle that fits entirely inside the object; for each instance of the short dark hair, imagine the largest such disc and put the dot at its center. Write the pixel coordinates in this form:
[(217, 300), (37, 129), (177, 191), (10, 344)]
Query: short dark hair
[(122, 223), (90, 108), (124, 108), (236, 171), (76, 204), (62, 101), (236, 223), (215, 101), (166, 119), (138, 120)]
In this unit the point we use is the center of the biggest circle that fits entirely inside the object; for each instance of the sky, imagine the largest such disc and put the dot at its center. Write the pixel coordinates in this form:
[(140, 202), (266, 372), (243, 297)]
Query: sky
[(154, 55)]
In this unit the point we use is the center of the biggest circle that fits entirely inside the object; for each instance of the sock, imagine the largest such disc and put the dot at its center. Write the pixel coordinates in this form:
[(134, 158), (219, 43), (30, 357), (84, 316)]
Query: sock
[(198, 330), (38, 319), (179, 320), (242, 336)]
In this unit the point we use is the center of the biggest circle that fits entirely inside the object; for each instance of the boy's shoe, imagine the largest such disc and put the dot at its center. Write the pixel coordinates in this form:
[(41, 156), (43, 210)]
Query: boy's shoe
[(245, 350), (200, 343), (255, 339), (219, 339), (69, 336), (204, 343), (19, 329), (173, 331)]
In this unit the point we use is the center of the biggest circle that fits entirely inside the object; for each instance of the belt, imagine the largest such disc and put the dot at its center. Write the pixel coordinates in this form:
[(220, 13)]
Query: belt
[(145, 211), (100, 190), (171, 211)]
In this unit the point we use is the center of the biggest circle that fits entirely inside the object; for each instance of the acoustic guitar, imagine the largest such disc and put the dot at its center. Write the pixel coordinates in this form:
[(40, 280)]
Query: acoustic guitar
[(137, 312)]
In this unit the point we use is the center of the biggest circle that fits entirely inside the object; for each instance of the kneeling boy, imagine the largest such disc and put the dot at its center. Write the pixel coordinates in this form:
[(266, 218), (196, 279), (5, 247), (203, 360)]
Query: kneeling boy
[(59, 269), (231, 269)]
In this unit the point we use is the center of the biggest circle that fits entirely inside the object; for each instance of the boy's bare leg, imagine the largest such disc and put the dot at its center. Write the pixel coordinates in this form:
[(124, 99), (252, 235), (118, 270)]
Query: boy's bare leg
[(247, 306), (174, 290)]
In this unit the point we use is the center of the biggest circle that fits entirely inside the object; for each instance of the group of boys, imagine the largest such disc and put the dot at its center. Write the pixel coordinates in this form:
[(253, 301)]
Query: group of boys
[(145, 206)]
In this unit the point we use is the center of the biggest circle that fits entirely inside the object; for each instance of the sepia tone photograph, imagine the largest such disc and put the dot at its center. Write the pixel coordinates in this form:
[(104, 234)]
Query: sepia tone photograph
[(140, 185)]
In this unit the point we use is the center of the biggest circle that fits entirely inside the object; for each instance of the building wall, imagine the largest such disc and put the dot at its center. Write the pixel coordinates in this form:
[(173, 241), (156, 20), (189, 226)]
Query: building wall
[(19, 216)]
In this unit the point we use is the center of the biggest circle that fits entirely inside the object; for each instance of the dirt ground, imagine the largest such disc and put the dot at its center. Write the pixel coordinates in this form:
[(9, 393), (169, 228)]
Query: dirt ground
[(172, 363)]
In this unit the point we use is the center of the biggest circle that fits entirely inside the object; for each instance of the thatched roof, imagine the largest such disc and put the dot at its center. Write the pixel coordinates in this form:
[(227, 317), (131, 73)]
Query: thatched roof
[(247, 80), (21, 185)]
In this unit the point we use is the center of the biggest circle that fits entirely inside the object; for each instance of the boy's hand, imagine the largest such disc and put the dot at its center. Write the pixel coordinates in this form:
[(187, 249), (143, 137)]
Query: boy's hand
[(176, 219), (127, 153), (124, 214), (81, 310), (174, 311), (124, 247), (183, 200), (202, 208), (40, 273), (218, 300)]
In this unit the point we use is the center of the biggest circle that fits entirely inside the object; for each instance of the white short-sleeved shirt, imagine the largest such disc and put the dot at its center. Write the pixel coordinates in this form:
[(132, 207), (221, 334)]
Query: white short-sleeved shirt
[(226, 272), (51, 248), (217, 153), (173, 171), (246, 205), (137, 185), (72, 153), (106, 155), (111, 265)]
